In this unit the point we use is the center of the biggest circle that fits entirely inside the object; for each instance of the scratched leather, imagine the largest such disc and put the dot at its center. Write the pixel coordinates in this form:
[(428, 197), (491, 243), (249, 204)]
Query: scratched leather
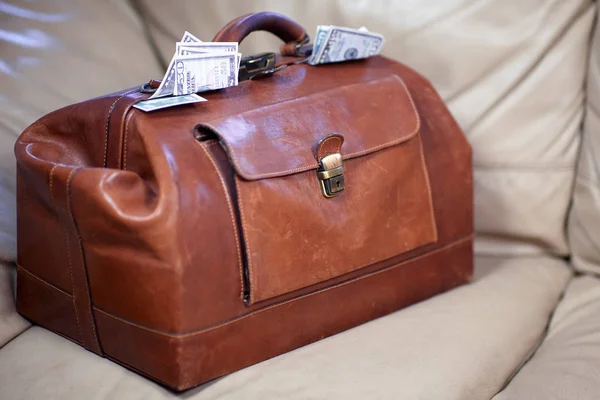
[(279, 139), (138, 245), (386, 209)]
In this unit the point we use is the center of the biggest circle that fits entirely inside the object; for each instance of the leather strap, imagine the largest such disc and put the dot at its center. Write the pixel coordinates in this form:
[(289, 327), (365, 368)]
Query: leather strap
[(281, 26), (329, 144), (60, 181)]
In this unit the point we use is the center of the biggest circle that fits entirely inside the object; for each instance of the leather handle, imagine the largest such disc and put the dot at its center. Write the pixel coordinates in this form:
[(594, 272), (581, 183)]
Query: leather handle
[(279, 25)]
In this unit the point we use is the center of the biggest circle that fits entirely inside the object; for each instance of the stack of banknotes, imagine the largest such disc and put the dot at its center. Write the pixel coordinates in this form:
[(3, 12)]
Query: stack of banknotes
[(199, 66), (337, 44)]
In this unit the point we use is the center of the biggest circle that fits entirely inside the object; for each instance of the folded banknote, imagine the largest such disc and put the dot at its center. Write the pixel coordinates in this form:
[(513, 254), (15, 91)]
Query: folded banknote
[(337, 44)]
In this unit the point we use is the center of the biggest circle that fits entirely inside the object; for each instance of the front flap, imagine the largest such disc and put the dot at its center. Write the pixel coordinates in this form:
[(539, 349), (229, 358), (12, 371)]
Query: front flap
[(280, 139), (294, 236)]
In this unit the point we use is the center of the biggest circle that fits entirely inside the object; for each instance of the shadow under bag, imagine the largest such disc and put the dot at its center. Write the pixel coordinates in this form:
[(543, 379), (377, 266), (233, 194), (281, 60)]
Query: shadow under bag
[(194, 241)]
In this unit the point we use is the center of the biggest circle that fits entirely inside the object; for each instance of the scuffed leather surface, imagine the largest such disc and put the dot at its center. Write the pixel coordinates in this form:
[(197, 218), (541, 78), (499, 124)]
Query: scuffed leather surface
[(144, 235), (279, 139), (567, 364), (584, 218), (447, 348), (384, 170)]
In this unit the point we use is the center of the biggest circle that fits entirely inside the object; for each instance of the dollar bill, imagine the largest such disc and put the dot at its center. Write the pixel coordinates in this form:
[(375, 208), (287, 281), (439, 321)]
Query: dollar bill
[(158, 104), (345, 44), (185, 49), (201, 72), (192, 58), (189, 38), (322, 31), (168, 82)]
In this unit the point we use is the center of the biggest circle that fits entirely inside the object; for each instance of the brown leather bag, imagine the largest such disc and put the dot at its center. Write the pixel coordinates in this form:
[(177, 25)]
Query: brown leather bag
[(191, 242)]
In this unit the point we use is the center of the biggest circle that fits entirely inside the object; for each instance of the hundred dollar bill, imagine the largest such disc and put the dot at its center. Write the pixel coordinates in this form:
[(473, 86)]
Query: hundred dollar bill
[(344, 44), (185, 49), (201, 72), (159, 104)]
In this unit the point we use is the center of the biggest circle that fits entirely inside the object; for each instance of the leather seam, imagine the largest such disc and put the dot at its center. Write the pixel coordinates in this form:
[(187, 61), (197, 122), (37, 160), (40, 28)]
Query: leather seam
[(448, 246), (252, 282), (429, 194), (50, 186), (110, 110), (107, 126), (43, 281), (345, 157), (83, 264), (125, 141), (231, 215), (69, 259)]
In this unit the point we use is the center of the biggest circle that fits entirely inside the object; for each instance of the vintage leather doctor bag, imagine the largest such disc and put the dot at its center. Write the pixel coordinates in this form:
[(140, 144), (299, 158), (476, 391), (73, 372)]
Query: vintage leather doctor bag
[(191, 242)]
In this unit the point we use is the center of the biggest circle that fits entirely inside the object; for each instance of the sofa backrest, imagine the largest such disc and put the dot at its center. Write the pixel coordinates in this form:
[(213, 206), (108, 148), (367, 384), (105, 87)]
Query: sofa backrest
[(512, 72), (584, 217)]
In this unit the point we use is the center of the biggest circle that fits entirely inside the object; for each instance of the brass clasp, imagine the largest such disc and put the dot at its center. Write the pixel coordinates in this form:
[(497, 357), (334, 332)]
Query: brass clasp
[(331, 175)]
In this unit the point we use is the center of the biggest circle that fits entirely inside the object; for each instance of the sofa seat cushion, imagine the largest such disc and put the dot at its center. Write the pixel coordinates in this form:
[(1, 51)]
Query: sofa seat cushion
[(567, 364), (11, 323), (462, 345)]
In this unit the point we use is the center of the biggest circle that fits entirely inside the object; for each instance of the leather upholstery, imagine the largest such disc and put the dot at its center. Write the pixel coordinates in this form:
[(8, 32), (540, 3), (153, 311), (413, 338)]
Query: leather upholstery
[(284, 28), (511, 70), (566, 364), (584, 217)]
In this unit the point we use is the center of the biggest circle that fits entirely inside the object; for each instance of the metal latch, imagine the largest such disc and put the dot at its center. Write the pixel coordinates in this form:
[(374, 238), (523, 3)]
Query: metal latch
[(331, 175), (256, 65)]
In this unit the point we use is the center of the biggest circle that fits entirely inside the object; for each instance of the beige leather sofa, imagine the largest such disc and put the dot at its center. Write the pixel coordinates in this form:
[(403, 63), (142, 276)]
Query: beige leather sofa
[(522, 77)]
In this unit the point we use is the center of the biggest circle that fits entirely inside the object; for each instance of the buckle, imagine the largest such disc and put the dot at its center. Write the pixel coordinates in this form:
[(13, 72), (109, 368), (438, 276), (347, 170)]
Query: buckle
[(331, 175)]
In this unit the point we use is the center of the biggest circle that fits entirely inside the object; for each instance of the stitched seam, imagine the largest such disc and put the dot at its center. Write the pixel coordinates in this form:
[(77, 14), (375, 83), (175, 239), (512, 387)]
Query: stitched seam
[(70, 261), (83, 265), (252, 282), (43, 281), (239, 318), (428, 183), (50, 186), (110, 111), (231, 215), (319, 154), (315, 165), (125, 141)]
